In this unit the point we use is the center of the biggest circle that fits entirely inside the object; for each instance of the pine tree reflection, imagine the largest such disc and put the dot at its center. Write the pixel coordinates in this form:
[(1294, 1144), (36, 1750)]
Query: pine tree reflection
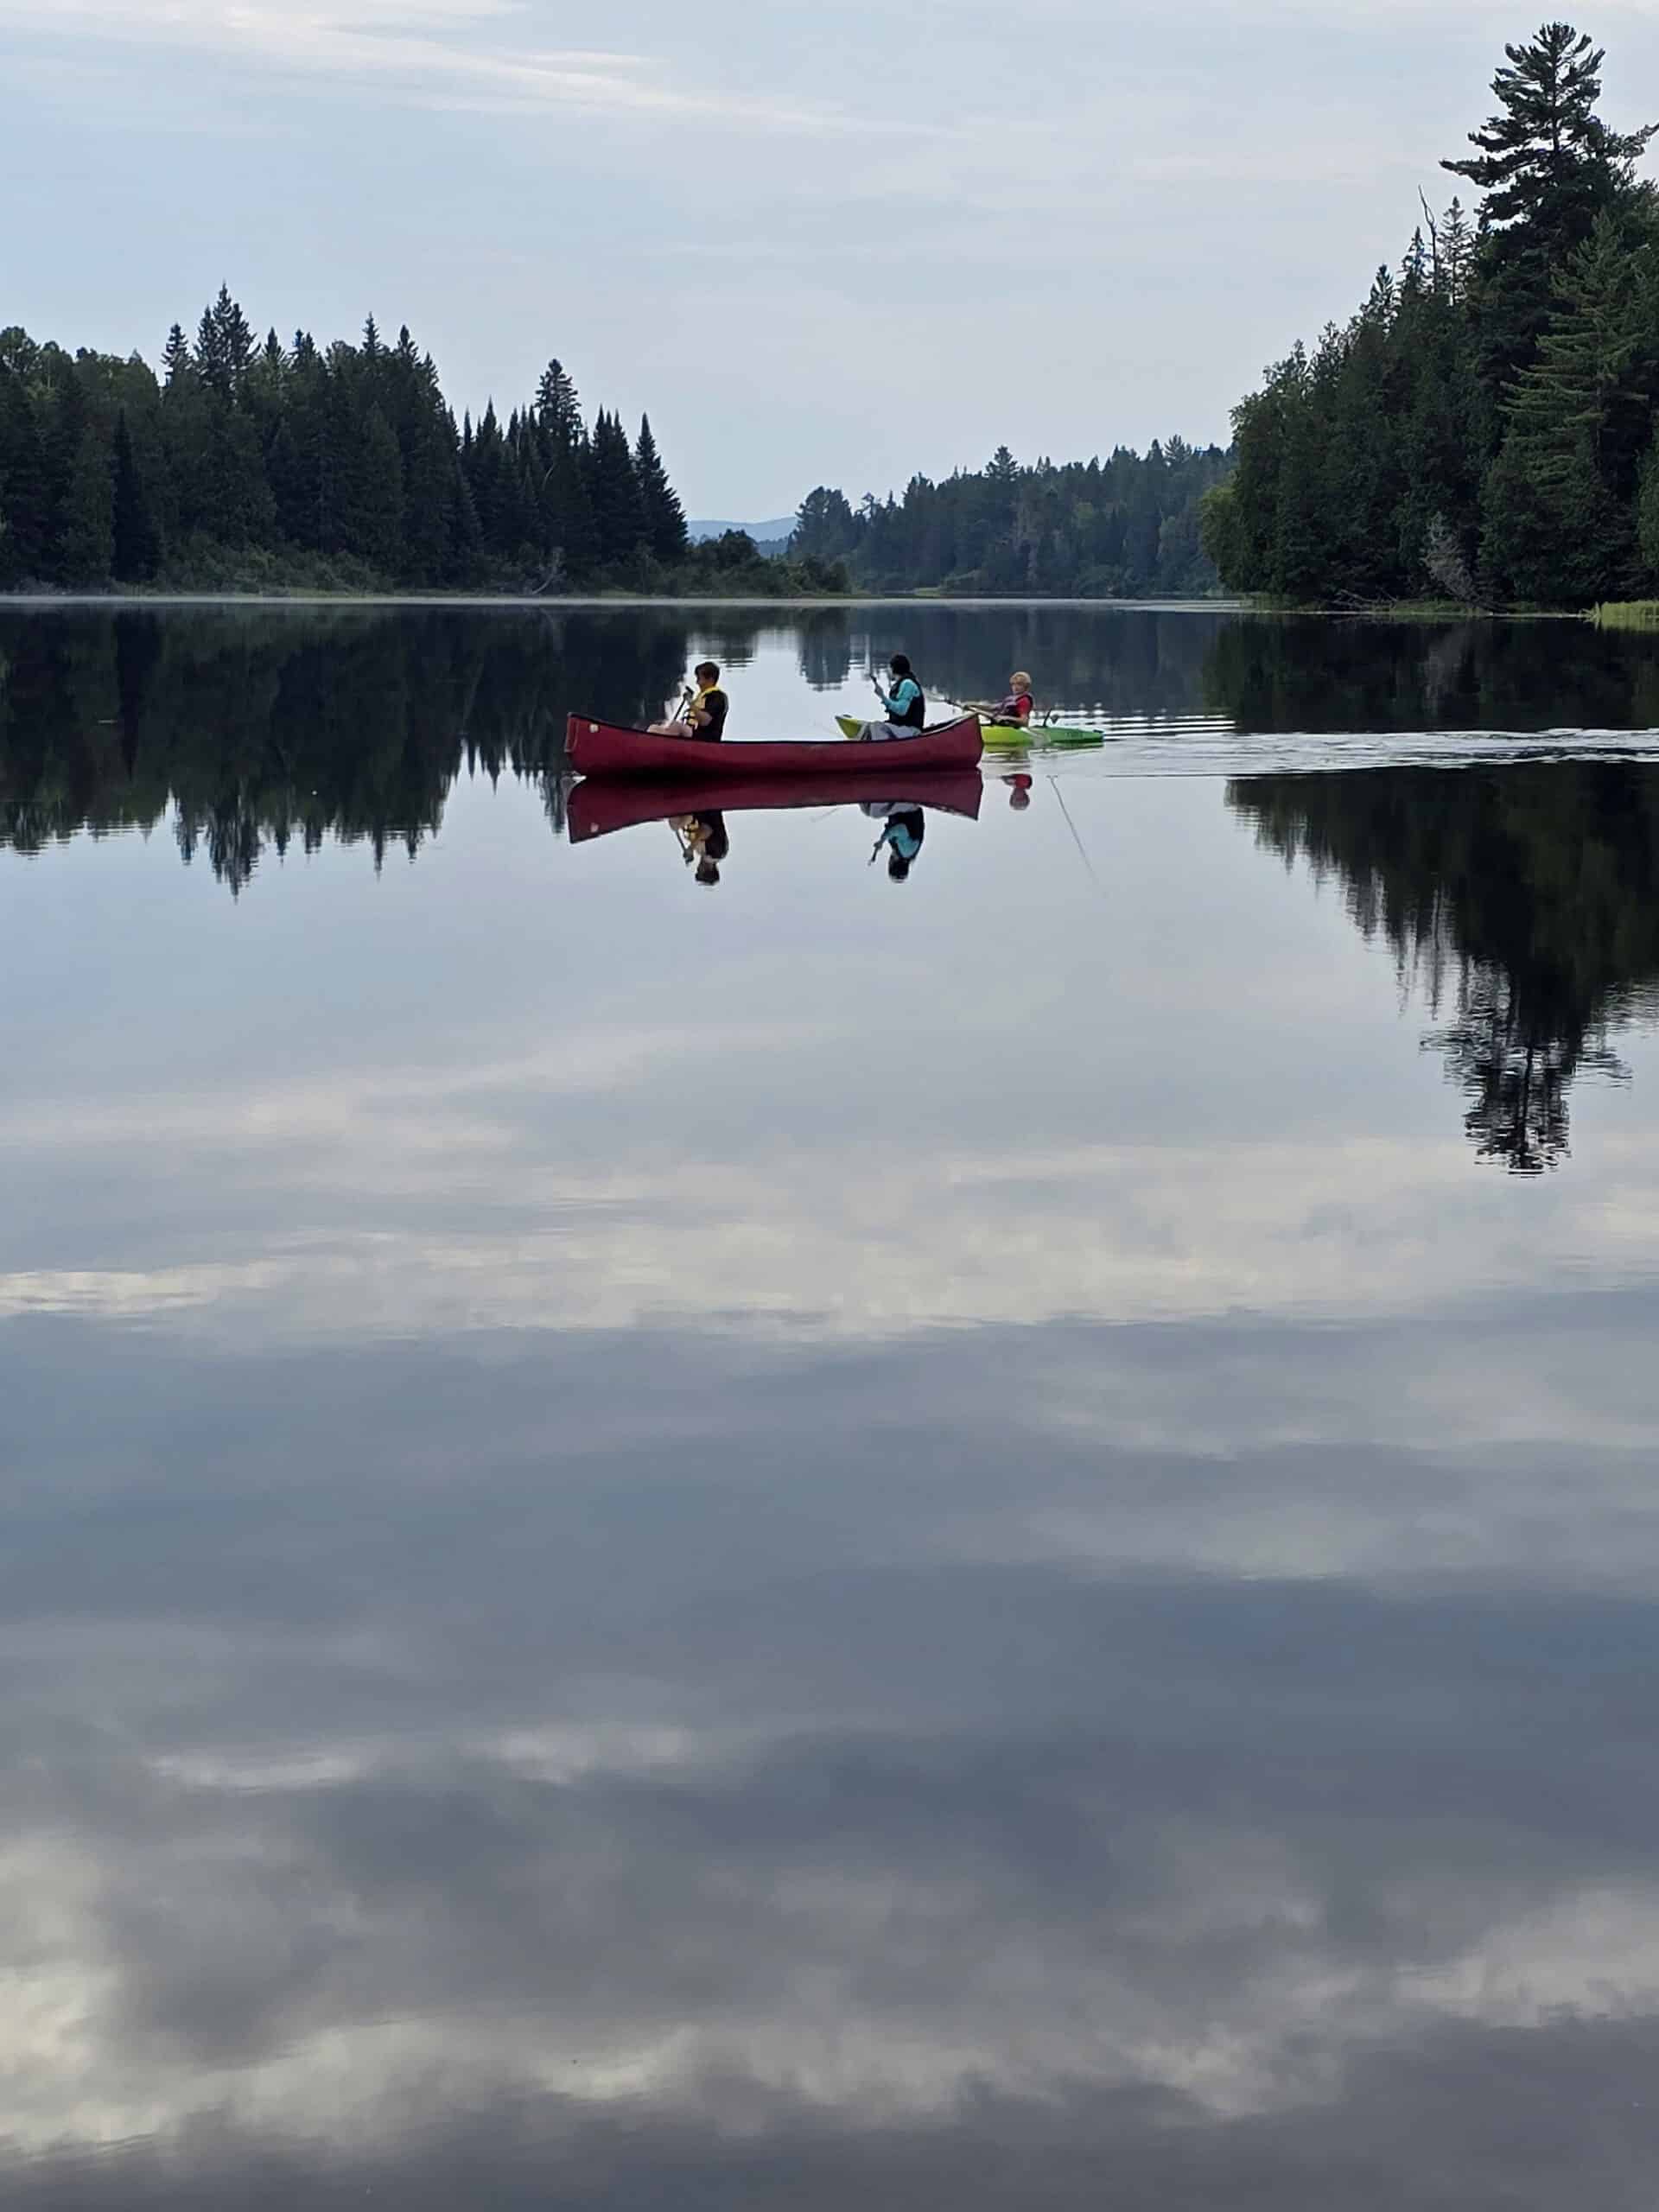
[(826, 648), (137, 648), (1518, 1082), (262, 729), (1522, 902)]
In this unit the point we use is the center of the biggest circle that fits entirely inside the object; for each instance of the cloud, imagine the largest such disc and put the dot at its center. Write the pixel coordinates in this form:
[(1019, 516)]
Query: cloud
[(438, 54)]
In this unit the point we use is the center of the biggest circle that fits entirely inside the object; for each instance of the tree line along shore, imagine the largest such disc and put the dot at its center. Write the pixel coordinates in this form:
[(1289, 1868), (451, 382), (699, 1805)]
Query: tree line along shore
[(1484, 431), (248, 466), (1483, 434)]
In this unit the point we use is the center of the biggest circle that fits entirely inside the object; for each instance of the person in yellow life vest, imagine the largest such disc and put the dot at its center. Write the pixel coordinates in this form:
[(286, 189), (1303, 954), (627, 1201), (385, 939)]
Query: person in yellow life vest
[(705, 710)]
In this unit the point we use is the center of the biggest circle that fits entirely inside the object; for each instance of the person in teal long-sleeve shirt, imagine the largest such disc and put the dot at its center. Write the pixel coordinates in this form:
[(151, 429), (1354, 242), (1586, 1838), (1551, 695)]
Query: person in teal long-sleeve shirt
[(906, 705)]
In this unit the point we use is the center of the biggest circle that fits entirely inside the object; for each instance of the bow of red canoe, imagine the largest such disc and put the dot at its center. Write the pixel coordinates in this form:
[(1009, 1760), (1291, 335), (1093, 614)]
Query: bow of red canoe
[(597, 748)]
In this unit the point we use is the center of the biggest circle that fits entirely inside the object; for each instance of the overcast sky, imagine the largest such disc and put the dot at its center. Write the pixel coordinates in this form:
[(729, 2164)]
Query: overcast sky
[(836, 242)]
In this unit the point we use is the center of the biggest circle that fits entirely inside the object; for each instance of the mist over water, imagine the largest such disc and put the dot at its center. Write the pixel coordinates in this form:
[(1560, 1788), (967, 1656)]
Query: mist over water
[(979, 1540)]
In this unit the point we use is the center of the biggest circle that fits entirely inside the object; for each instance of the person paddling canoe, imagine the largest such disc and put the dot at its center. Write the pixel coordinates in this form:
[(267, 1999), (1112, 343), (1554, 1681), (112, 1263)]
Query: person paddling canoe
[(906, 705), (706, 708)]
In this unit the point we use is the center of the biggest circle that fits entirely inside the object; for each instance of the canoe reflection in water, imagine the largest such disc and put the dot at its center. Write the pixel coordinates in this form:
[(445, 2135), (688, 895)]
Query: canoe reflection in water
[(904, 827), (698, 815)]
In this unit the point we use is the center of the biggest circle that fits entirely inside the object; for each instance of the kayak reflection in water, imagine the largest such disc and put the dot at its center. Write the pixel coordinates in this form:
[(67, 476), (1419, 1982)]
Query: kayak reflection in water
[(704, 710), (904, 827), (702, 841)]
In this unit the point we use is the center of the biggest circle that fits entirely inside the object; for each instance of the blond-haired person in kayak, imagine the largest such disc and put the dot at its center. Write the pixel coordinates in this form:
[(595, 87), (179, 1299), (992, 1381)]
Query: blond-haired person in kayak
[(907, 706), (1019, 706), (705, 711), (1015, 711)]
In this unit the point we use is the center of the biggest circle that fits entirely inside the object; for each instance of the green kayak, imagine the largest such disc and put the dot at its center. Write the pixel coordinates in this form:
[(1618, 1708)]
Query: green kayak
[(1004, 737), (1039, 733)]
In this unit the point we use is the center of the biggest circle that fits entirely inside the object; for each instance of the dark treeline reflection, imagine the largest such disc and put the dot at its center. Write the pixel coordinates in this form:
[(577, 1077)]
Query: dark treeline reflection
[(1265, 673), (1523, 903), (1139, 662), (277, 727), (1306, 673), (264, 727)]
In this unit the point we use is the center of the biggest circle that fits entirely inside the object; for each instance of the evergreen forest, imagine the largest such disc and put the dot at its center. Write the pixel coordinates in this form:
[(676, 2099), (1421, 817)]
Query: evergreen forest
[(242, 466), (1125, 528), (1484, 429)]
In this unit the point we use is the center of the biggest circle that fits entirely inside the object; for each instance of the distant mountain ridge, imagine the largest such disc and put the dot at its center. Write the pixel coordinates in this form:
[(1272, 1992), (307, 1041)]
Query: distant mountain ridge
[(763, 533)]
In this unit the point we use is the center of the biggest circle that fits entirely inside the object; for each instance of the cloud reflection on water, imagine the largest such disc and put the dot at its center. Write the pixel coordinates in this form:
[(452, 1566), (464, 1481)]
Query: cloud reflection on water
[(1080, 1627), (412, 1773)]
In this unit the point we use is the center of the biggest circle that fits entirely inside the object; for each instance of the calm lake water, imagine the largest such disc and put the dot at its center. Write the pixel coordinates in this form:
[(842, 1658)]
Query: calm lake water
[(988, 1541)]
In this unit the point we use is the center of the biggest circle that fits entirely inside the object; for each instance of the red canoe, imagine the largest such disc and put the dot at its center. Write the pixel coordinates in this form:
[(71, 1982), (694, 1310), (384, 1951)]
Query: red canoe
[(598, 807), (605, 749)]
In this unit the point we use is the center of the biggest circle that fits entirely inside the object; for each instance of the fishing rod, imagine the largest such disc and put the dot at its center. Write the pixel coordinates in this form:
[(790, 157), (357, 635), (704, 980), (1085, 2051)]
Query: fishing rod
[(1054, 784), (875, 686)]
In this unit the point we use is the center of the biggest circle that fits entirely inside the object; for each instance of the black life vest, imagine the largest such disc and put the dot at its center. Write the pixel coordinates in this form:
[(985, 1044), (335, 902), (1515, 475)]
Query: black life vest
[(915, 714)]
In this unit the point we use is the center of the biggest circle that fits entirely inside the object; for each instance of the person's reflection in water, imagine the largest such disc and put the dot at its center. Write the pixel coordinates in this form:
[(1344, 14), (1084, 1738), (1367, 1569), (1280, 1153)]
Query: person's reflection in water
[(1019, 792), (904, 827), (703, 841)]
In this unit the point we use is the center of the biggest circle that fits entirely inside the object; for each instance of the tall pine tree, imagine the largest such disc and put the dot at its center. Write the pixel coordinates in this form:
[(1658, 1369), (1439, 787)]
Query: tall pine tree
[(224, 346), (665, 517), (1589, 393), (1561, 521), (178, 362), (619, 511), (1549, 167), (557, 408)]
